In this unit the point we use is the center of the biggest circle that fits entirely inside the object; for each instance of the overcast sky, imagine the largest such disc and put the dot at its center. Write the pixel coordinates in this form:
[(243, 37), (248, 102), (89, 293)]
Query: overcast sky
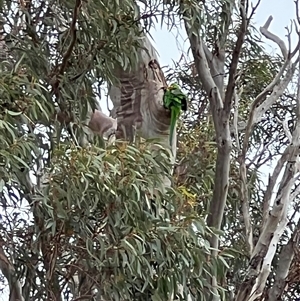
[(169, 44)]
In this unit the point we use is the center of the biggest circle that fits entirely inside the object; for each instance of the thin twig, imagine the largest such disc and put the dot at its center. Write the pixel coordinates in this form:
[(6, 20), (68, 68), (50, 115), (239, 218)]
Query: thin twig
[(73, 34), (254, 8), (258, 155), (66, 56), (285, 127)]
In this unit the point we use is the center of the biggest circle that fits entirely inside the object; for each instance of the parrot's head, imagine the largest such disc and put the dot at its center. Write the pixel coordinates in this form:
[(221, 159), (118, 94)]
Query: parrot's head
[(173, 87)]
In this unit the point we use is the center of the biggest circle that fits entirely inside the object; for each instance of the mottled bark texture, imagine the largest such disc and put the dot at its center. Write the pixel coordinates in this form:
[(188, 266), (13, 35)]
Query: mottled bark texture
[(138, 100)]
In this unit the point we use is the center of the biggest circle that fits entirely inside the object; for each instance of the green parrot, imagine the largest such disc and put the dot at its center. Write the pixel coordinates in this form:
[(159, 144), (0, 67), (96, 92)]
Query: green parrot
[(175, 101)]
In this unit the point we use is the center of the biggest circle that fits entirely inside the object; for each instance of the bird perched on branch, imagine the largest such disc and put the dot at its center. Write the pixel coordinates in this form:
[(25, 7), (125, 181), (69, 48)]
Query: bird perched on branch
[(175, 101)]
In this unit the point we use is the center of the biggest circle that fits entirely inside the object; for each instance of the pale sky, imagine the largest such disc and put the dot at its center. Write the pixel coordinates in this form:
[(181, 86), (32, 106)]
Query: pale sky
[(281, 10)]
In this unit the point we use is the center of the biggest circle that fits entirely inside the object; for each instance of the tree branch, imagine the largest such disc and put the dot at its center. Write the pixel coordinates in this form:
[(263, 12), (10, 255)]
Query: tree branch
[(224, 143), (245, 207), (216, 64), (234, 62), (276, 221), (235, 119), (73, 34), (8, 271), (56, 80), (271, 184), (263, 254), (285, 259), (260, 105), (285, 127), (270, 36), (204, 73)]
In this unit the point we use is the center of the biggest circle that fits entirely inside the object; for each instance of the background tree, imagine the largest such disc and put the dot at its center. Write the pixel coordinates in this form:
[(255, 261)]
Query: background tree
[(82, 220)]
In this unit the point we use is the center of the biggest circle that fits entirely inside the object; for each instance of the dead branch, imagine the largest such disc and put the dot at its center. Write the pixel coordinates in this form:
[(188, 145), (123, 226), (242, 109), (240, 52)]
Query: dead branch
[(261, 104), (254, 8), (296, 193), (270, 36), (55, 81), (257, 158), (73, 34)]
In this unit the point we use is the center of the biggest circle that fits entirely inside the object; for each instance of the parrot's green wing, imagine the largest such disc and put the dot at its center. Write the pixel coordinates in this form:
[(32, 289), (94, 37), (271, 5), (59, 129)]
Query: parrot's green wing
[(175, 101)]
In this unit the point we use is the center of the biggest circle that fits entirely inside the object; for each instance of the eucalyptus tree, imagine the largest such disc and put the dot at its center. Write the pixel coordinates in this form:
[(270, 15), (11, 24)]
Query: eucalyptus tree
[(79, 220), (83, 220)]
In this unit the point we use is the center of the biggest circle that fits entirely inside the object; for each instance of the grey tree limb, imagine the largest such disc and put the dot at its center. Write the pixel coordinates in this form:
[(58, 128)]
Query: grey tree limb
[(211, 74), (284, 263), (275, 220), (8, 270)]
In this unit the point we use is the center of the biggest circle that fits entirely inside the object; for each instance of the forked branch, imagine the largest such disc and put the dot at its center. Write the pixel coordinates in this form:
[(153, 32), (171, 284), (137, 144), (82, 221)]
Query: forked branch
[(276, 88)]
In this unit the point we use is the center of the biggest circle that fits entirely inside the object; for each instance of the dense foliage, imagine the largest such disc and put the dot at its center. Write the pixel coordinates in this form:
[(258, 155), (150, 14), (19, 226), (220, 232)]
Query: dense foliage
[(97, 222)]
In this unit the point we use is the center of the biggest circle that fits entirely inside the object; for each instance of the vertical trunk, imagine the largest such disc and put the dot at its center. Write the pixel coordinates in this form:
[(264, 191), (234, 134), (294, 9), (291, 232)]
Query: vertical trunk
[(138, 100)]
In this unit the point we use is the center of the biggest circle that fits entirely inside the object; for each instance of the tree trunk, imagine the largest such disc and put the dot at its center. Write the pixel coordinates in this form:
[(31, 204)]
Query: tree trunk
[(138, 100)]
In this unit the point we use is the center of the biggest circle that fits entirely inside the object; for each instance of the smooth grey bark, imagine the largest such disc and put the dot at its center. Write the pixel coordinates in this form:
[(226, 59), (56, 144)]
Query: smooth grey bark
[(210, 69), (224, 144), (263, 253), (288, 251), (284, 262), (275, 219), (220, 113)]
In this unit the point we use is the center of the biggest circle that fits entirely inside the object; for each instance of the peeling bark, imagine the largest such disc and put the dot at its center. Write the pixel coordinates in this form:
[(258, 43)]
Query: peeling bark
[(138, 100)]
